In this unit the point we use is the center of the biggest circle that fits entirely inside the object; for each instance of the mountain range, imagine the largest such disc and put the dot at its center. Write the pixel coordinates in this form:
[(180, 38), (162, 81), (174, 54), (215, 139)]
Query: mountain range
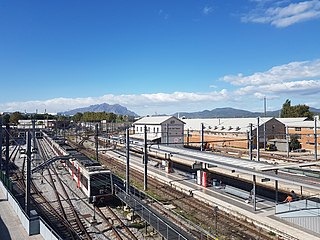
[(232, 113), (104, 107), (226, 112)]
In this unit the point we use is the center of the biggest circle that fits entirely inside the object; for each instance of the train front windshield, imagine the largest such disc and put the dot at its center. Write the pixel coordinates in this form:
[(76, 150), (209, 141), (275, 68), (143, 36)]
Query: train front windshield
[(100, 184)]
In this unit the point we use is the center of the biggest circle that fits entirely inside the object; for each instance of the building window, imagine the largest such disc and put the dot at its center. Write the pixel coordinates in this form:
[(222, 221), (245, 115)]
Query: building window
[(157, 129), (298, 129), (154, 129), (137, 129), (140, 129)]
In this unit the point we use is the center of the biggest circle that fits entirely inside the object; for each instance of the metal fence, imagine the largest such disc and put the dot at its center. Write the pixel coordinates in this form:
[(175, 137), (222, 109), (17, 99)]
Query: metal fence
[(165, 229), (309, 205)]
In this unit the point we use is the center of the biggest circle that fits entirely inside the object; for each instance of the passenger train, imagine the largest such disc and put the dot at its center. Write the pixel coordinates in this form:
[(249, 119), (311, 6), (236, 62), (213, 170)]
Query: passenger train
[(92, 178)]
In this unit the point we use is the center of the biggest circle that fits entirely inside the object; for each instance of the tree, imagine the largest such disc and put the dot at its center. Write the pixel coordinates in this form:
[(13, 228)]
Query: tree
[(294, 142), (77, 117), (303, 111), (295, 111), (5, 119), (15, 117), (286, 109)]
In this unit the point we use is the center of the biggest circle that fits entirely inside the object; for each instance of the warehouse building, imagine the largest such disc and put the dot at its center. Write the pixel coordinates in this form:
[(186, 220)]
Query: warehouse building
[(304, 130), (160, 129), (232, 132)]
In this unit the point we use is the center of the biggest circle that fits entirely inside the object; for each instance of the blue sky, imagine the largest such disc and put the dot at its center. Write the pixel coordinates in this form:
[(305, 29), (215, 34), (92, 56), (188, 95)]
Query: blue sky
[(159, 56)]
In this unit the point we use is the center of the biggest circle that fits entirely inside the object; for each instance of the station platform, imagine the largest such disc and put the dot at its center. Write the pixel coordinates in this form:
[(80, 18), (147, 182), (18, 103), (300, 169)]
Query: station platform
[(263, 216), (10, 225)]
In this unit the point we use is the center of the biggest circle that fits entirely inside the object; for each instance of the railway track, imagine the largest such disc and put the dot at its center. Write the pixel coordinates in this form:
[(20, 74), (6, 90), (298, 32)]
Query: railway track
[(119, 229), (63, 205), (46, 210), (107, 227), (217, 222)]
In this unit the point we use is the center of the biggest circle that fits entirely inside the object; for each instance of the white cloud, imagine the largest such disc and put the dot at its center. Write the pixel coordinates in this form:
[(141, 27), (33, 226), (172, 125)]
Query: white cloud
[(282, 73), (292, 80), (298, 80), (306, 87), (207, 10), (285, 15), (141, 104)]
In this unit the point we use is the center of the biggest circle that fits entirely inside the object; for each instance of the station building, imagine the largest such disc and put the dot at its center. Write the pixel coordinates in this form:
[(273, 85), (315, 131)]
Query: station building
[(160, 129), (231, 132)]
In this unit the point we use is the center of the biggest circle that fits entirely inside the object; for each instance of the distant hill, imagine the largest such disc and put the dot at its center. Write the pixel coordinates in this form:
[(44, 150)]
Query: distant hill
[(232, 113), (225, 113), (104, 107), (315, 110)]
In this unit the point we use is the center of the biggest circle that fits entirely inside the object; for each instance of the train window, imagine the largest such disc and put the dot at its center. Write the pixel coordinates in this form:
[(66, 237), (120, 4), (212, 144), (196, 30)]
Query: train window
[(84, 181), (100, 183)]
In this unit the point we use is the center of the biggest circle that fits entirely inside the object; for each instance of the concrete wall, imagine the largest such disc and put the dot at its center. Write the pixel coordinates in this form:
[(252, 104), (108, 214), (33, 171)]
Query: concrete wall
[(238, 140), (33, 225), (172, 133), (46, 232)]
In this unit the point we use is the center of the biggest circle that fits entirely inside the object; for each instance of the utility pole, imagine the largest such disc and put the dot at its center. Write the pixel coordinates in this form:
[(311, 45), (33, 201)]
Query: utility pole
[(264, 125), (128, 158), (28, 192), (250, 142), (0, 144), (7, 149), (277, 187), (254, 193), (34, 133), (287, 138), (216, 219), (202, 137), (97, 143), (145, 159), (258, 147), (315, 138), (167, 132)]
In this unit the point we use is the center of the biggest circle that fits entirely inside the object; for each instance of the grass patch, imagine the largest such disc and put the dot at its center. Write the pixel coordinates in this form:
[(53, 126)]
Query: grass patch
[(137, 225), (272, 233)]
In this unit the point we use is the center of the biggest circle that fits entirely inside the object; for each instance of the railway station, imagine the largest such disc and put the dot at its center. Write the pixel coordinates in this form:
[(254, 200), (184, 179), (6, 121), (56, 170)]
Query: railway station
[(160, 120), (78, 187)]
